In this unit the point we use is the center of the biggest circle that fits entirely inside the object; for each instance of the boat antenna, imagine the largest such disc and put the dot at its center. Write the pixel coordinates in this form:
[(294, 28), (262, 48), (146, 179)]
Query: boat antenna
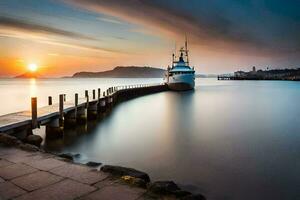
[(173, 59), (174, 55), (186, 50)]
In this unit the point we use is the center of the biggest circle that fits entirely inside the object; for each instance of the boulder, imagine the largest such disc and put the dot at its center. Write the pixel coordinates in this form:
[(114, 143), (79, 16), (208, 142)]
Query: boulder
[(69, 156), (34, 140), (124, 171), (9, 140), (164, 187), (93, 164), (181, 193), (133, 181), (28, 147), (194, 197)]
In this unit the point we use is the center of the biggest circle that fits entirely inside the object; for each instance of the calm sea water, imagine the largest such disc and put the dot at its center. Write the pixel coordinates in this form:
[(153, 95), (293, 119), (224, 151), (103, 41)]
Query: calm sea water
[(227, 139)]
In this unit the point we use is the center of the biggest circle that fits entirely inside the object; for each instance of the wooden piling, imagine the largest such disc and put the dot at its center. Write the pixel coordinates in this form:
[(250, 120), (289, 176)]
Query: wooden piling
[(94, 94), (70, 117), (49, 100), (99, 93), (65, 98), (61, 107), (54, 129), (34, 112), (86, 94), (76, 103), (87, 101)]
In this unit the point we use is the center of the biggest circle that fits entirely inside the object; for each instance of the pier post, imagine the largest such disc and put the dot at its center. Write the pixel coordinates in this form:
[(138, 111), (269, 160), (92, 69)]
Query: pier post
[(87, 101), (94, 94), (82, 110), (65, 97), (49, 100), (34, 112), (54, 129), (71, 116), (86, 93), (76, 103), (98, 101), (92, 106), (61, 108), (93, 110), (81, 115)]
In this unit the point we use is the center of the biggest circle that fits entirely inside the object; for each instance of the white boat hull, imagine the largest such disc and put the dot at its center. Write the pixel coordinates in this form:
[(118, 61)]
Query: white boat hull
[(181, 82)]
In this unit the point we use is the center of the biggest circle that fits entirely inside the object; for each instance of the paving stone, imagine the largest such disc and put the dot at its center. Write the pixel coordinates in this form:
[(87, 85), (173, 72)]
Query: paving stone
[(19, 156), (90, 177), (70, 170), (64, 190), (79, 173), (105, 183), (15, 170), (4, 163), (9, 190), (36, 157), (36, 180), (9, 150), (115, 192), (46, 164)]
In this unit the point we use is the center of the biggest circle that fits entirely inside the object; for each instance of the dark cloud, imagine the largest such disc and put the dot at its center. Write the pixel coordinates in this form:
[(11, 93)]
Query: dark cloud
[(261, 27), (37, 28)]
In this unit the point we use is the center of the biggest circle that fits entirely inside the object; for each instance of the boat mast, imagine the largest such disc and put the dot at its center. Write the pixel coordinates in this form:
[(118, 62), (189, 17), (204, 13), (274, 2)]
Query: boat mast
[(186, 51), (173, 59)]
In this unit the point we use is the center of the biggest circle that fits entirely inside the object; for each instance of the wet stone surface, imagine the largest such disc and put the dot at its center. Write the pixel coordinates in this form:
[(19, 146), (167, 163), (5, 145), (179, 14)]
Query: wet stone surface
[(35, 175), (27, 175)]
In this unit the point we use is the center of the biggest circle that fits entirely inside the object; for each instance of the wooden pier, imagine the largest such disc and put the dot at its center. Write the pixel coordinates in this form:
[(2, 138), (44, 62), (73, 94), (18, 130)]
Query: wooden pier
[(226, 77), (58, 115)]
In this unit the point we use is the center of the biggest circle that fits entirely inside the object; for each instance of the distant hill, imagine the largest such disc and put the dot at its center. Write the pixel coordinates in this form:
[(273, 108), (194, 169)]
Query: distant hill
[(124, 72), (29, 75)]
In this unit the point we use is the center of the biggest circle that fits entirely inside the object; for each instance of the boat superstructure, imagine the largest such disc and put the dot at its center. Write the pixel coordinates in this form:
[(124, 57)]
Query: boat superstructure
[(180, 76)]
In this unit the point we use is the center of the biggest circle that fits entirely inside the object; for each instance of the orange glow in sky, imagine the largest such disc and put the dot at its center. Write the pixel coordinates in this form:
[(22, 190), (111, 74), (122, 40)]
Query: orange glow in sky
[(60, 38)]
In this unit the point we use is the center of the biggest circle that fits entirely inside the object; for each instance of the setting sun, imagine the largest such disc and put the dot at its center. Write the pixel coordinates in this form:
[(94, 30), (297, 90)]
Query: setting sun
[(32, 67)]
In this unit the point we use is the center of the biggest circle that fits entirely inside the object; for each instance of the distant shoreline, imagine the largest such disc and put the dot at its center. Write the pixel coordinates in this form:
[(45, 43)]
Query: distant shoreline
[(266, 75)]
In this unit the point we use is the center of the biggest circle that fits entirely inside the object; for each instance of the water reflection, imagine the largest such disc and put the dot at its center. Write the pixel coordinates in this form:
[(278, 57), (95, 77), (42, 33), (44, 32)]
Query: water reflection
[(228, 140), (32, 87)]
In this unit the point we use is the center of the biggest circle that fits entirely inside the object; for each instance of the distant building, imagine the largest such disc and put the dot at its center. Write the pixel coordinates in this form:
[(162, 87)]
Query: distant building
[(240, 74), (253, 69)]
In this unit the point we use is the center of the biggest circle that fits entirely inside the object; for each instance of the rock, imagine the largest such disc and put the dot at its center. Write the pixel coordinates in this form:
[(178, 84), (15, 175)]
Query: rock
[(194, 197), (9, 140), (181, 193), (69, 156), (28, 147), (124, 171), (133, 181), (93, 164), (34, 140), (164, 187)]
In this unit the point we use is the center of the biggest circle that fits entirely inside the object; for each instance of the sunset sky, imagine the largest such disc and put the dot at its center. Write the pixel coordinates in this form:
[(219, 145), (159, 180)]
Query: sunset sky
[(66, 36)]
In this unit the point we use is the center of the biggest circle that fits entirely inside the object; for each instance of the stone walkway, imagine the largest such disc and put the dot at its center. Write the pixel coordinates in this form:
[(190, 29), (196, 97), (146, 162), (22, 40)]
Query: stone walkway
[(37, 175)]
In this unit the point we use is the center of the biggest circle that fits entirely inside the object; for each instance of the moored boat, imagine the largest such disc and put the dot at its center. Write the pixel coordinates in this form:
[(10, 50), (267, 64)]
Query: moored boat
[(180, 76)]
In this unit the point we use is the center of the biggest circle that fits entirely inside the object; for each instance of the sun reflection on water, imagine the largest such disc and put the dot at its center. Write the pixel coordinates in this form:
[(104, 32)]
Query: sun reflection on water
[(33, 87)]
